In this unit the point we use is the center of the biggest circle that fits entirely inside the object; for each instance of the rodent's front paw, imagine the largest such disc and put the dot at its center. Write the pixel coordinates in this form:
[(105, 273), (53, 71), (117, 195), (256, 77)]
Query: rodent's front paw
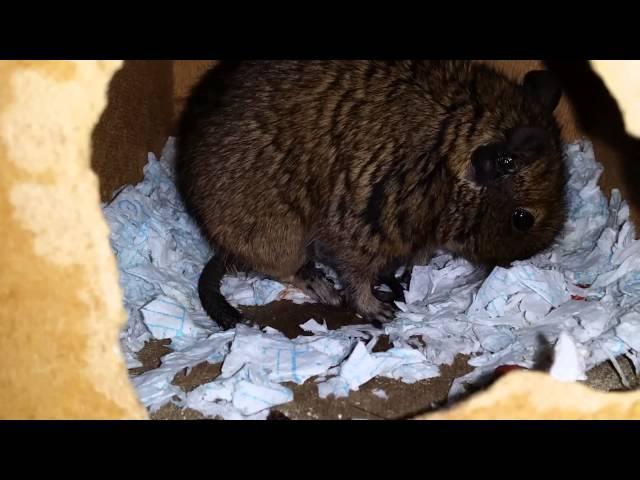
[(377, 312), (384, 295), (394, 293)]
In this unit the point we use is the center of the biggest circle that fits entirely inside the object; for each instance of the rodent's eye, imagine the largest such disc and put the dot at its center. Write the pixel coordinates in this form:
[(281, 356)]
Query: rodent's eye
[(490, 162), (505, 163), (522, 220)]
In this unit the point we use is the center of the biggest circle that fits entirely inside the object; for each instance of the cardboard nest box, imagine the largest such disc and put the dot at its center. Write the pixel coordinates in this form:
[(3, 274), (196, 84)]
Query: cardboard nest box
[(72, 132)]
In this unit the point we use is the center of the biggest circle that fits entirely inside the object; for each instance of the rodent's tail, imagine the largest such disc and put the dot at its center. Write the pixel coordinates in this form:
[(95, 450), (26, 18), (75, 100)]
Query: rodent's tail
[(212, 299)]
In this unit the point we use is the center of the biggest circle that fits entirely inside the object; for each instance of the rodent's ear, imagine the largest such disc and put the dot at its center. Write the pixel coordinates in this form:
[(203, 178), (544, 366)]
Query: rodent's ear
[(527, 142), (544, 86)]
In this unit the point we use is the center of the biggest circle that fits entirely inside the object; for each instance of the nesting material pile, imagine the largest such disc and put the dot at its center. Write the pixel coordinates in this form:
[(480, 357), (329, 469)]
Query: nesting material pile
[(581, 297)]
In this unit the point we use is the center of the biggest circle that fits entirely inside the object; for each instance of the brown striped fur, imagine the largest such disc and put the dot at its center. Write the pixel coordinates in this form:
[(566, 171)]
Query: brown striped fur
[(367, 163)]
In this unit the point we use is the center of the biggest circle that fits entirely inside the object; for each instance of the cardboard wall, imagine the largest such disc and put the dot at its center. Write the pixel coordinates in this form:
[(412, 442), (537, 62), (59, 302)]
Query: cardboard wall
[(144, 99), (60, 303)]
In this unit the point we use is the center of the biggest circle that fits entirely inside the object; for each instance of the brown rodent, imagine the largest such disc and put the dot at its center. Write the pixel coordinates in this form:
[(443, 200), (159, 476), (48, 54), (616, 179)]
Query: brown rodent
[(365, 164)]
